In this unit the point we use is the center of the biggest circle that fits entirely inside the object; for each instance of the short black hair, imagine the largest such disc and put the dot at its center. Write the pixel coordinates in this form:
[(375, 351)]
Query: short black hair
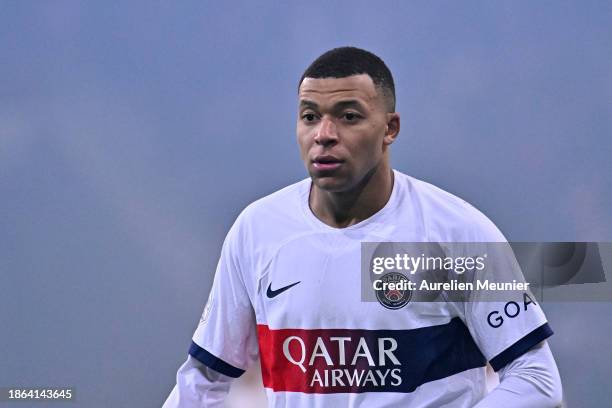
[(346, 61)]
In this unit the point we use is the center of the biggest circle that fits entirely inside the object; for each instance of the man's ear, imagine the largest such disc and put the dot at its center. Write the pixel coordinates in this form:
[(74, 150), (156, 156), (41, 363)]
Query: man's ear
[(392, 129)]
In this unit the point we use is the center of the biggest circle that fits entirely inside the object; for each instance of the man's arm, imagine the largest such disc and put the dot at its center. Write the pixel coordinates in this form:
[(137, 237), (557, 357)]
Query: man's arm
[(531, 380), (198, 386), (225, 341)]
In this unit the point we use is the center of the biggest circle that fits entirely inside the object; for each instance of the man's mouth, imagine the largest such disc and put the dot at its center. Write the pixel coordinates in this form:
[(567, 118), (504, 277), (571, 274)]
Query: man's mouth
[(326, 162)]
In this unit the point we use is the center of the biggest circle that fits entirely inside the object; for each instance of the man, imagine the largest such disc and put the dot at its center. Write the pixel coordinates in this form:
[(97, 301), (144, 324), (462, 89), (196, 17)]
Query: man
[(287, 286)]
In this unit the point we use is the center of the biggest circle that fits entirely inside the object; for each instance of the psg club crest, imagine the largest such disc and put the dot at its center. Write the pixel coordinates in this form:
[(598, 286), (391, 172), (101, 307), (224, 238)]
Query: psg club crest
[(394, 292)]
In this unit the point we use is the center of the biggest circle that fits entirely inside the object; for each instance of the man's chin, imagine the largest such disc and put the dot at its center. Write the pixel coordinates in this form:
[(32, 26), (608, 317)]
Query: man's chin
[(331, 184)]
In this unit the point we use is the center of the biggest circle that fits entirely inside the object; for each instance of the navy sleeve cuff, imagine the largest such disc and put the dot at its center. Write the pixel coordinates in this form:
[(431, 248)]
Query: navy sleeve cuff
[(521, 347), (213, 362)]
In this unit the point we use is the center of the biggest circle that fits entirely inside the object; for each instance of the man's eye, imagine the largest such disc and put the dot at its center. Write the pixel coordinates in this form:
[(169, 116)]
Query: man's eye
[(308, 117), (351, 116)]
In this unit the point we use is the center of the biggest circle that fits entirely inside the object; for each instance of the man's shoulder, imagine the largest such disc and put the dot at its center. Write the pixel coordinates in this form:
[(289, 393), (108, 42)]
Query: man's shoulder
[(447, 216), (264, 225), (438, 201), (286, 202), (276, 214)]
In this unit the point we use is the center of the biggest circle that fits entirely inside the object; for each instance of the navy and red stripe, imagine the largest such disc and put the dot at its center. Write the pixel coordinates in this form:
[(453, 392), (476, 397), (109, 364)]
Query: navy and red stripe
[(425, 354)]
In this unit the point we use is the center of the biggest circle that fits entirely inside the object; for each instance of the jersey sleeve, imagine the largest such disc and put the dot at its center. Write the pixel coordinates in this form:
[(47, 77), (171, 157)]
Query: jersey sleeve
[(531, 380), (226, 337), (505, 324)]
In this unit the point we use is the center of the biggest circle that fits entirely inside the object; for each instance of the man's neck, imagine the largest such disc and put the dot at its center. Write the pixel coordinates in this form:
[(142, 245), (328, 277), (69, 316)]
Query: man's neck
[(343, 209)]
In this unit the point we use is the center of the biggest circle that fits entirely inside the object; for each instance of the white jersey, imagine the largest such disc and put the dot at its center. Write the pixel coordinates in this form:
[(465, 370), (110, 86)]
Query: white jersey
[(288, 289)]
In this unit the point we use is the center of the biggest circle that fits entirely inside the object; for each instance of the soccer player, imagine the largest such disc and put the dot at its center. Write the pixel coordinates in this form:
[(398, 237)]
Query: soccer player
[(287, 287)]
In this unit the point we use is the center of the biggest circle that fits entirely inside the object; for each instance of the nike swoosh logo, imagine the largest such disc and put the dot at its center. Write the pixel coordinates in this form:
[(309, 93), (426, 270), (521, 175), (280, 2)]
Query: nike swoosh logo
[(273, 293)]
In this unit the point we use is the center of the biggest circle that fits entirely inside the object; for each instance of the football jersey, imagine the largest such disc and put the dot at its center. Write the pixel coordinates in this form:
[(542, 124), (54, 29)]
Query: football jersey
[(288, 288)]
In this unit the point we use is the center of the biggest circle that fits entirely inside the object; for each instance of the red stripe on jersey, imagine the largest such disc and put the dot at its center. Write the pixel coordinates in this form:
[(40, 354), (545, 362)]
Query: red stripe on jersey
[(325, 360)]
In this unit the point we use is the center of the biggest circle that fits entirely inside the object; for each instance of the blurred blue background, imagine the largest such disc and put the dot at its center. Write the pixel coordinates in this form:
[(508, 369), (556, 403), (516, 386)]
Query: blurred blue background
[(131, 135)]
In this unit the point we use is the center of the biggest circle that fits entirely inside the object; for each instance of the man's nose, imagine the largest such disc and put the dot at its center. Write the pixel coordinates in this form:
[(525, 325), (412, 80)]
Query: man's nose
[(326, 133)]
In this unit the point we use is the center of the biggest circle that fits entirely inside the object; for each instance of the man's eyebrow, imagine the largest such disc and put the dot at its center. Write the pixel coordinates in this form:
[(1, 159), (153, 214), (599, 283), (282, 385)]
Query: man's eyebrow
[(305, 103), (349, 103)]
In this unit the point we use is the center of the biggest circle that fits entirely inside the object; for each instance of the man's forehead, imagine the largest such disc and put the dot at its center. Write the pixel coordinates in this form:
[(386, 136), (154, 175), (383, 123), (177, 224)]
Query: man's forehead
[(360, 86)]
